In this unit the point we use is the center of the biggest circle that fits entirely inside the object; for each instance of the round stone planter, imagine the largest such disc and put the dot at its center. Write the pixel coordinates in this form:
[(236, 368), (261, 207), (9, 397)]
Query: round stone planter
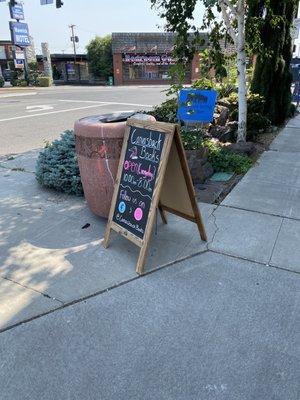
[(99, 142), (198, 163)]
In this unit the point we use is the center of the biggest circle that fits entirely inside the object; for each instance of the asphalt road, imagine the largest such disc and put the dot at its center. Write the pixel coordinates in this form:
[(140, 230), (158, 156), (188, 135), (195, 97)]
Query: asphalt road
[(29, 119)]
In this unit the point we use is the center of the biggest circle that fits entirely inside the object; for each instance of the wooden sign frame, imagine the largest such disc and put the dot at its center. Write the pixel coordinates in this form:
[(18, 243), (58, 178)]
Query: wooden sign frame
[(172, 141)]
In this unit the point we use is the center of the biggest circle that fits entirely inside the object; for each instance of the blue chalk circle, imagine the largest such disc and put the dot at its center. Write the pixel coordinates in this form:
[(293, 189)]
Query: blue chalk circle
[(122, 207)]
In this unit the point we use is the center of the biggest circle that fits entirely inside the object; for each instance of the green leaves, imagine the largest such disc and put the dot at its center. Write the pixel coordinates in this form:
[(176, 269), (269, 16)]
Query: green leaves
[(99, 52)]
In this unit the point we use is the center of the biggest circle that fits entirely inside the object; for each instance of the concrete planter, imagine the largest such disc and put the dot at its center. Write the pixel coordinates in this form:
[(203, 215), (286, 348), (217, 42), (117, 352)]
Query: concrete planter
[(198, 163), (98, 148)]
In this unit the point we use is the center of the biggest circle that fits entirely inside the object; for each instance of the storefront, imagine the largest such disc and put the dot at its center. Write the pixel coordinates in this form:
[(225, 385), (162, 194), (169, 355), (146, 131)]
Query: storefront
[(145, 58), (65, 70)]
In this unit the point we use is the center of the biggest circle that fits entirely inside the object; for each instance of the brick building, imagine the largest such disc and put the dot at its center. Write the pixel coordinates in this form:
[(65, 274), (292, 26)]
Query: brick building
[(145, 58)]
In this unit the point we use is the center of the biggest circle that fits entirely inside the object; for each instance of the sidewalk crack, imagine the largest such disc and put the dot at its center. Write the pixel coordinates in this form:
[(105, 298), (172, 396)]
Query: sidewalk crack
[(32, 289), (276, 240)]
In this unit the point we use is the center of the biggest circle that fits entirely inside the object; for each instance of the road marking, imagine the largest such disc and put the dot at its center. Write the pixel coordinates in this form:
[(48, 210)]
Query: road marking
[(2, 96), (107, 102), (39, 108), (51, 112)]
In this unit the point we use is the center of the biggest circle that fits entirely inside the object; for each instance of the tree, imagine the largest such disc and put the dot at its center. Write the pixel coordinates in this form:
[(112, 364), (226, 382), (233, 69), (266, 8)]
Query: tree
[(272, 77), (179, 19), (99, 52)]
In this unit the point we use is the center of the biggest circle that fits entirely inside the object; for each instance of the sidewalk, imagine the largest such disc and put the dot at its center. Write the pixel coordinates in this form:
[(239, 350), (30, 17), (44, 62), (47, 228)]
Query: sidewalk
[(220, 320)]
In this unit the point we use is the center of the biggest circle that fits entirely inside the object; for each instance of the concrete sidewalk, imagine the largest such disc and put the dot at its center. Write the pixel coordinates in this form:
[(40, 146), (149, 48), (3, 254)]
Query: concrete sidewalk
[(222, 324)]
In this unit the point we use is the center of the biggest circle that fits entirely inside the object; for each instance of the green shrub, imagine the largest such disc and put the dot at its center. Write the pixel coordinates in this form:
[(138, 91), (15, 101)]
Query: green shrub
[(255, 103), (225, 90), (2, 81), (44, 81), (257, 122), (224, 161), (191, 139), (57, 166), (166, 111), (203, 83), (19, 82)]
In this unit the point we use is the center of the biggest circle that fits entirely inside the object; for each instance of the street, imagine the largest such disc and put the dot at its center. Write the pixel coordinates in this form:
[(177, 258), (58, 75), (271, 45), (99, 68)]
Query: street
[(30, 118)]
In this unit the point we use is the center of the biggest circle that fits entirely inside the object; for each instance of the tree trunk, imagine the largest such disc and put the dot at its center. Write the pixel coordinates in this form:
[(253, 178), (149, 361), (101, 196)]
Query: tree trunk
[(241, 67)]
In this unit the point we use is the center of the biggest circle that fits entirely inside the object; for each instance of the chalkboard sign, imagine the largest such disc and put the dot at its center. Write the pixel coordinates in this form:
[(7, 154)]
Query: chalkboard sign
[(138, 178), (153, 174)]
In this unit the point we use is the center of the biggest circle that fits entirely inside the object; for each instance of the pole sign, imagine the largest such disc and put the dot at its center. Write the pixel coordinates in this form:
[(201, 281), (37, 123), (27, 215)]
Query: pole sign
[(19, 34), (19, 64), (16, 11), (18, 55), (196, 105)]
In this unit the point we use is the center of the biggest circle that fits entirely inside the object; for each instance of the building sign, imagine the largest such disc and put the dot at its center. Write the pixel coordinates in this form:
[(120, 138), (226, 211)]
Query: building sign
[(19, 34), (19, 64), (18, 55), (16, 11), (158, 59), (70, 68), (196, 105)]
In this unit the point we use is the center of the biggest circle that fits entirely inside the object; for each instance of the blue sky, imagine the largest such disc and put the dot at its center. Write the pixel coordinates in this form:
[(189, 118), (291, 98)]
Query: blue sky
[(100, 17)]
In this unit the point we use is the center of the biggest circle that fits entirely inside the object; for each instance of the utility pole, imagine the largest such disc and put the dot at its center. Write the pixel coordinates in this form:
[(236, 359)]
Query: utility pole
[(74, 39)]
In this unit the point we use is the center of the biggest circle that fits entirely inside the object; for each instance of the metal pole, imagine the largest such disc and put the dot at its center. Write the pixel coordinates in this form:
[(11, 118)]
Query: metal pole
[(26, 70), (72, 26)]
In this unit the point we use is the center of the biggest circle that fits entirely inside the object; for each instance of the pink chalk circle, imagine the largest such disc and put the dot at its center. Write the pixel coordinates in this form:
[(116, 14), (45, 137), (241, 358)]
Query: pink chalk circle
[(138, 214)]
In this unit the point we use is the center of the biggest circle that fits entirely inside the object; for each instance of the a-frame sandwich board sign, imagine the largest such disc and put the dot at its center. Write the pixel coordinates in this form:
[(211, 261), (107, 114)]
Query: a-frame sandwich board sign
[(153, 173)]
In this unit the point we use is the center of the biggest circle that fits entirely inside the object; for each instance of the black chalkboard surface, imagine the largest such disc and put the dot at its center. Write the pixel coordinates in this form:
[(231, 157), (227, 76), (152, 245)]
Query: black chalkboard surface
[(138, 177)]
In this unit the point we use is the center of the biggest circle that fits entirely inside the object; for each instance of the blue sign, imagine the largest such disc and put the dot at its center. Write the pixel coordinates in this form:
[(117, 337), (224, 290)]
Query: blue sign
[(19, 63), (44, 2), (196, 105), (16, 11), (19, 34)]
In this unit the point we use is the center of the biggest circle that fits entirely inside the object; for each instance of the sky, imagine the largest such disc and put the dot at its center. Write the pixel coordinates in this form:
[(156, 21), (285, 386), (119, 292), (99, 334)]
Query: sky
[(98, 17)]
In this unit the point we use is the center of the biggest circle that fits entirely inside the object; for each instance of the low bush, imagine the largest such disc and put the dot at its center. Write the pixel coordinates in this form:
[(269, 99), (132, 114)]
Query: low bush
[(166, 111), (255, 103), (57, 166), (19, 82), (223, 160), (2, 81), (191, 139), (44, 81)]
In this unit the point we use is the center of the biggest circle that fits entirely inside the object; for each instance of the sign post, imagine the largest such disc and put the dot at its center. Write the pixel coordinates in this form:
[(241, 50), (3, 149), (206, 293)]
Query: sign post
[(153, 173)]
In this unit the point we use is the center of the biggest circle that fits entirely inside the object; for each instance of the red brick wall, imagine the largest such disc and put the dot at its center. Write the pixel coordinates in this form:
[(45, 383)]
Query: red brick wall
[(118, 69)]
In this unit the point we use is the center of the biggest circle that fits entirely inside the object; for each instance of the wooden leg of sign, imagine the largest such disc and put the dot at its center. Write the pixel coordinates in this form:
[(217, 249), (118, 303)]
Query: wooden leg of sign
[(200, 225), (106, 237), (162, 214), (189, 184), (142, 258)]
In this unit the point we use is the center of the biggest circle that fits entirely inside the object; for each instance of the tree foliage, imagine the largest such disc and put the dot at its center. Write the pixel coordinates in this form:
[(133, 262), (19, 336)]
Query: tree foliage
[(273, 21), (99, 52), (179, 18)]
